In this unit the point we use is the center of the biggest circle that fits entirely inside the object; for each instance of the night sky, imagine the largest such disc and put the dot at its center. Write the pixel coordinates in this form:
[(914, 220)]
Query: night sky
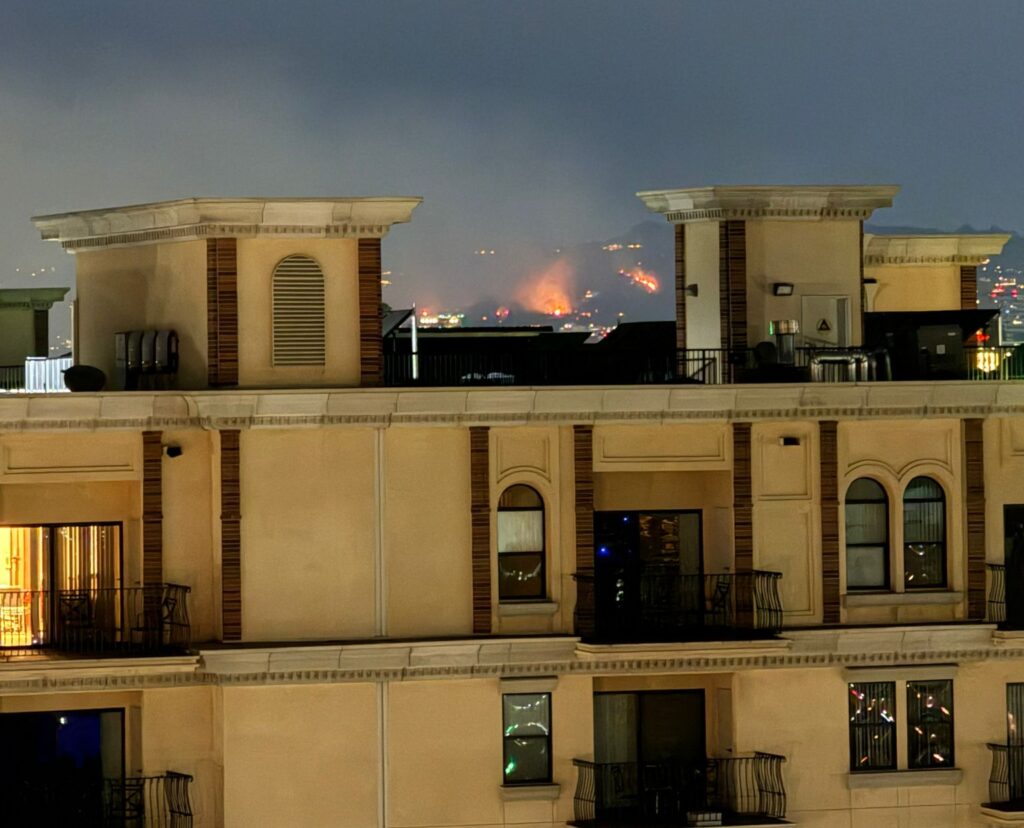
[(526, 126)]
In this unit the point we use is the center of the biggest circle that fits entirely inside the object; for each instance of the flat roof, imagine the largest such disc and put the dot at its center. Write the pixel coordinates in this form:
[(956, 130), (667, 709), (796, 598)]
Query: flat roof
[(193, 218)]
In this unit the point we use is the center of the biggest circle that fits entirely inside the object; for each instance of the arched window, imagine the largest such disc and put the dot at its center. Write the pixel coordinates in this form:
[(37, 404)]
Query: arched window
[(520, 545), (299, 329), (867, 535), (924, 534)]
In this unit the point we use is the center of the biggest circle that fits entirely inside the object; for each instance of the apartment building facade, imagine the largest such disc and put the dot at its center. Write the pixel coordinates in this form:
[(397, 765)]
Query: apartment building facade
[(282, 593)]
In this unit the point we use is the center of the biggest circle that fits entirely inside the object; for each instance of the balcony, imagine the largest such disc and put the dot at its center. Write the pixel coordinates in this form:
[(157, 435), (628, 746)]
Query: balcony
[(127, 621), (131, 802), (739, 790), (1006, 784), (659, 605), (996, 593)]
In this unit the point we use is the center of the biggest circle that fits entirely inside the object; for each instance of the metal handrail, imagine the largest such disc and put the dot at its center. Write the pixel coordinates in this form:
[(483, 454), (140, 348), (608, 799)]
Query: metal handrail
[(996, 593)]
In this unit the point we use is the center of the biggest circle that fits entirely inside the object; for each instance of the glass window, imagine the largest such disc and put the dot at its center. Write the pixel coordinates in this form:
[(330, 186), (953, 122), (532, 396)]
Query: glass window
[(520, 545), (872, 726), (924, 534), (930, 724), (527, 738), (867, 535)]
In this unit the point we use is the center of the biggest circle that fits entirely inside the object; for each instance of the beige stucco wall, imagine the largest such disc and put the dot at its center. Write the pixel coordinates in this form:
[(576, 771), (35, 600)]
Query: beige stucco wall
[(1004, 471), (301, 755), (820, 258), (787, 514), (338, 258), (309, 534), (143, 287), (915, 287), (703, 325), (426, 539)]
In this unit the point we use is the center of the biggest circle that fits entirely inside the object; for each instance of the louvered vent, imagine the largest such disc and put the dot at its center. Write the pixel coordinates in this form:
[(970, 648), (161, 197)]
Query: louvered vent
[(299, 328)]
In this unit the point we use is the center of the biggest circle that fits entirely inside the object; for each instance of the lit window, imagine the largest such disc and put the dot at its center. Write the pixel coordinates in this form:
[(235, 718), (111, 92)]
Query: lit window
[(924, 534), (930, 724), (875, 707), (872, 725), (520, 545), (527, 738), (867, 535), (299, 327)]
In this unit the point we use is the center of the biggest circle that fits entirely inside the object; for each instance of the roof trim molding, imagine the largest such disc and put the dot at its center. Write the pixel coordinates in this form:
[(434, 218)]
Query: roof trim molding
[(199, 218), (927, 249), (799, 202)]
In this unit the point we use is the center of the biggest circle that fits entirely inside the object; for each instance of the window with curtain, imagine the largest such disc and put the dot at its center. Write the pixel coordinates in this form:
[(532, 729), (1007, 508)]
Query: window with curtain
[(867, 535), (930, 724), (299, 329), (527, 738), (872, 725), (924, 534), (521, 574)]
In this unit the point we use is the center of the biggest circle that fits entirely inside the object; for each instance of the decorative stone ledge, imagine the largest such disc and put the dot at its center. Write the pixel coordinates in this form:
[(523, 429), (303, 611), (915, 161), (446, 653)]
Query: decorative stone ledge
[(938, 248), (520, 793), (508, 610), (896, 599), (905, 778)]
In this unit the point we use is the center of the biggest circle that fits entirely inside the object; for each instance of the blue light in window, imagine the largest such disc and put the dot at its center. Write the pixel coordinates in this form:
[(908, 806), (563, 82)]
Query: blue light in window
[(604, 551), (625, 518)]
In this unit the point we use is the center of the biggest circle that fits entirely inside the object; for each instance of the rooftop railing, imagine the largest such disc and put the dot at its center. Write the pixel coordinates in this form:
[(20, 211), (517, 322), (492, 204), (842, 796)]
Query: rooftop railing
[(144, 620), (723, 791), (661, 605)]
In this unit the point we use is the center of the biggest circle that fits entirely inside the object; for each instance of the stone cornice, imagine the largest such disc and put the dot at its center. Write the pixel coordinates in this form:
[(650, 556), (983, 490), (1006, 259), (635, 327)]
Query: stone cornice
[(952, 248), (506, 406), (32, 298), (808, 203), (199, 218), (896, 647)]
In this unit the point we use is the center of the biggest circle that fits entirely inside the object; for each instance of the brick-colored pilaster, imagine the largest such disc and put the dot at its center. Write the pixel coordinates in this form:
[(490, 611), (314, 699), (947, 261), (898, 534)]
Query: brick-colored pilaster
[(680, 299), (480, 515), (371, 357), (829, 476), (583, 468), (152, 508), (974, 457), (222, 312), (230, 535), (968, 287)]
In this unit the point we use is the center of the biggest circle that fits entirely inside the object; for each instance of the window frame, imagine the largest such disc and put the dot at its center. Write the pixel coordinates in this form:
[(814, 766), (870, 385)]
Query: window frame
[(886, 586), (507, 738), (943, 544), (890, 728), (903, 720), (542, 553)]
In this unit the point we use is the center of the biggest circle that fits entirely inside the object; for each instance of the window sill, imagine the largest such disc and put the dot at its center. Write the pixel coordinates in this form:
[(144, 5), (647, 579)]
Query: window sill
[(904, 778), (853, 600), (527, 608), (522, 793)]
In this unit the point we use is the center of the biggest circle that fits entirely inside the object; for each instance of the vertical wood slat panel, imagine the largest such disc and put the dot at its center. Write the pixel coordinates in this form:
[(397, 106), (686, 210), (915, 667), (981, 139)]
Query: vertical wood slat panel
[(680, 230), (152, 508), (222, 311), (370, 346), (480, 515), (974, 454), (583, 477), (863, 293), (968, 287), (742, 500), (737, 234), (230, 535), (829, 474)]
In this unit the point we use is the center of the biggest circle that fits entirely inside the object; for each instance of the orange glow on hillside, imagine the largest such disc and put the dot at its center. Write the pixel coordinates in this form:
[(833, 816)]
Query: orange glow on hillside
[(548, 291), (644, 278)]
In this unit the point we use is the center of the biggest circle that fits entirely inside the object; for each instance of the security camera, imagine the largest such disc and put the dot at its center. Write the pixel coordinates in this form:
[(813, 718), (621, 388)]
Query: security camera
[(172, 450)]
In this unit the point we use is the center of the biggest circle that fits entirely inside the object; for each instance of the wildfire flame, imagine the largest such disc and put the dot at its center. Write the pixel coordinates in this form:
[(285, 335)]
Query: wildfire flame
[(548, 291), (643, 278)]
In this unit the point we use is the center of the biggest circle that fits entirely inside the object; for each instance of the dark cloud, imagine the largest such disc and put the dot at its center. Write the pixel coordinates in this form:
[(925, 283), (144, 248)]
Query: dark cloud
[(522, 124)]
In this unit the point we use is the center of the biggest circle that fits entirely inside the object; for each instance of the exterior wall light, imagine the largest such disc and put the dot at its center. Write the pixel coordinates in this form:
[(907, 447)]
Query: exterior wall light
[(782, 288), (690, 290)]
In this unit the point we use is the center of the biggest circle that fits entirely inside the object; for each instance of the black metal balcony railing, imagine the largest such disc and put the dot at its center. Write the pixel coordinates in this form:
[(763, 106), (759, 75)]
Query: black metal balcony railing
[(660, 605), (131, 802), (996, 593), (125, 620), (1006, 779), (12, 377), (723, 791)]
